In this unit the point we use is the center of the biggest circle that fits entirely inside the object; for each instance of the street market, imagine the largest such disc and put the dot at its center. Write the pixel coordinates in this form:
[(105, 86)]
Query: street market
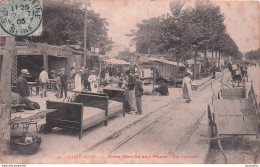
[(183, 91)]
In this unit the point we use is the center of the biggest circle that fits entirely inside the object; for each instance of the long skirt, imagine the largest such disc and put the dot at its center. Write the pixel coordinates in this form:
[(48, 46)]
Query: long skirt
[(186, 92)]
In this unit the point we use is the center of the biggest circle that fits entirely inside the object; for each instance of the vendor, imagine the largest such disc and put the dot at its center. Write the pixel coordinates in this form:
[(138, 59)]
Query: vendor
[(93, 79), (22, 87), (162, 89)]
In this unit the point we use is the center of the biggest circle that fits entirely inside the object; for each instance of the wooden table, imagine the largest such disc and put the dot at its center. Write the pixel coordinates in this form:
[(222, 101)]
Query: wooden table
[(33, 117), (31, 85), (37, 87)]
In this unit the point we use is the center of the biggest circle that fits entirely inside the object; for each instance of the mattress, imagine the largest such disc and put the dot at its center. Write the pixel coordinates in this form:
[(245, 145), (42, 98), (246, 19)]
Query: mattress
[(114, 106), (92, 115)]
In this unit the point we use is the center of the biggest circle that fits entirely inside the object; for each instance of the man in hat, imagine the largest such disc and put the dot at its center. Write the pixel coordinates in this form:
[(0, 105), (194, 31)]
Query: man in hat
[(22, 87), (63, 80), (53, 74), (44, 81), (130, 87), (138, 94)]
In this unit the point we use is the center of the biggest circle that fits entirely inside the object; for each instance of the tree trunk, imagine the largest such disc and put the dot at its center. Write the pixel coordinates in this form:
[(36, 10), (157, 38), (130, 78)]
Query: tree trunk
[(205, 59), (219, 59), (212, 54), (195, 64), (5, 94)]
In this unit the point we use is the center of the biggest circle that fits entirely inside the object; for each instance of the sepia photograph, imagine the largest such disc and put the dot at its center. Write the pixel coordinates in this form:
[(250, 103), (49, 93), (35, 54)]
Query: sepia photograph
[(129, 82)]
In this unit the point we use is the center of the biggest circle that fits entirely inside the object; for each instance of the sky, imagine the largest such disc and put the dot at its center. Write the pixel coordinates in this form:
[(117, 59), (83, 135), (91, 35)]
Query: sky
[(242, 18)]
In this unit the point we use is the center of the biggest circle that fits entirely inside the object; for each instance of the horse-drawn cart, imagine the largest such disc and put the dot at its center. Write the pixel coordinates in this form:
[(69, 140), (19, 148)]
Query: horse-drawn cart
[(233, 113)]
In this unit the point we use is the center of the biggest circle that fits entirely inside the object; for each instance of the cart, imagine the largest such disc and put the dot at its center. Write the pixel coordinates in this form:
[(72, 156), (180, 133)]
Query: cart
[(232, 114)]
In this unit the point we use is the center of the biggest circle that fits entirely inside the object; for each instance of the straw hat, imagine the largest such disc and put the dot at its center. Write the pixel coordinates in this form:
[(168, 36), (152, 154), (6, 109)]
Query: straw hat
[(24, 71)]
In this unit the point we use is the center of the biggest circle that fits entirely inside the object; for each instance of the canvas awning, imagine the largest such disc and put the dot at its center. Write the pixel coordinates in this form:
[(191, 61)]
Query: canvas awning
[(166, 61)]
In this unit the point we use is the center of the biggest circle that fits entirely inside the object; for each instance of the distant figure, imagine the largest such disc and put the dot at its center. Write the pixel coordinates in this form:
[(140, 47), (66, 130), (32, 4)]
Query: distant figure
[(229, 66), (22, 87), (107, 76), (53, 74), (213, 71), (86, 83), (73, 72), (63, 79), (138, 94), (114, 79), (58, 85), (78, 81), (162, 89), (186, 88), (44, 81), (93, 81)]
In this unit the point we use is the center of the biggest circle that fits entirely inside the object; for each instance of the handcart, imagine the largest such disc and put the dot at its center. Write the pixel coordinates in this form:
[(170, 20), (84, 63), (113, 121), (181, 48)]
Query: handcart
[(232, 114)]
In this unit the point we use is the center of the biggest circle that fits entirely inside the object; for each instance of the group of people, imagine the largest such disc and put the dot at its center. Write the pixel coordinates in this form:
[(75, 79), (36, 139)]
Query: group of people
[(61, 82), (238, 72), (133, 92), (83, 79)]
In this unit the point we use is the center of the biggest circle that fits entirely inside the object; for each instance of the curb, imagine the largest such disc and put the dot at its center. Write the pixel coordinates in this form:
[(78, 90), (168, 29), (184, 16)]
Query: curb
[(140, 119)]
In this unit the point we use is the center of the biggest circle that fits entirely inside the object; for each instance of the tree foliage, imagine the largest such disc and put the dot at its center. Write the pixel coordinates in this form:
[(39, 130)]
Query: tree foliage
[(63, 22), (253, 55), (185, 29), (126, 55)]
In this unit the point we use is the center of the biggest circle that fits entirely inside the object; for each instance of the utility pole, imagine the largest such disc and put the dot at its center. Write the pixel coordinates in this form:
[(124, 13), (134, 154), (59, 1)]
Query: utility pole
[(85, 36), (5, 95)]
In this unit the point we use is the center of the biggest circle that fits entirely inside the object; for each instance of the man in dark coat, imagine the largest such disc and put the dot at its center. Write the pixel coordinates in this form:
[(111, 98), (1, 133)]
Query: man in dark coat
[(22, 87), (131, 86), (138, 94), (63, 80)]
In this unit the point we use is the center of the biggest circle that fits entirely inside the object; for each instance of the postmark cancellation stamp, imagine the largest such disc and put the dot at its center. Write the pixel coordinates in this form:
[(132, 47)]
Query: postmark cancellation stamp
[(20, 17)]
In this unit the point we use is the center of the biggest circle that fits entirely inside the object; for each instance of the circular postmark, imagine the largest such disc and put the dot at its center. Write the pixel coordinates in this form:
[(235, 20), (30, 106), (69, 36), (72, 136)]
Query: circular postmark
[(20, 17)]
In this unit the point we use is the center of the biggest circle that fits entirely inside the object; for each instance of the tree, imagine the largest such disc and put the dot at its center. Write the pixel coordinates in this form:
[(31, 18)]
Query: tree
[(253, 55), (63, 22), (126, 55)]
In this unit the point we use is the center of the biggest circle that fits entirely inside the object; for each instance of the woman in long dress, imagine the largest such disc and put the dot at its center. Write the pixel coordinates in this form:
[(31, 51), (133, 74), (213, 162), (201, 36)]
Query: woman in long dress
[(78, 81), (186, 88)]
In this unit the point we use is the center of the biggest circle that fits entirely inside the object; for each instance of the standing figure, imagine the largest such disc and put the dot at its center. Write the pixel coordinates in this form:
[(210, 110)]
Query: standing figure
[(78, 81), (86, 84), (63, 79), (58, 85), (214, 71), (186, 88), (93, 81), (53, 74), (131, 94), (22, 87), (44, 81), (138, 94), (73, 72)]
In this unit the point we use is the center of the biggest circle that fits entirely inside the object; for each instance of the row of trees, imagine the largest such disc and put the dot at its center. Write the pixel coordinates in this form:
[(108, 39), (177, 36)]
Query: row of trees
[(185, 30), (63, 23), (253, 55)]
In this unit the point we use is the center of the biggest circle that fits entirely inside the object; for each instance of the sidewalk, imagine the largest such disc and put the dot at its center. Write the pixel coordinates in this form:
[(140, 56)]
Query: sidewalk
[(63, 144)]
